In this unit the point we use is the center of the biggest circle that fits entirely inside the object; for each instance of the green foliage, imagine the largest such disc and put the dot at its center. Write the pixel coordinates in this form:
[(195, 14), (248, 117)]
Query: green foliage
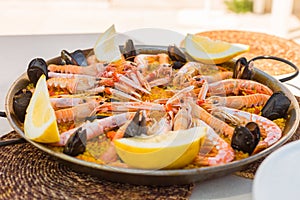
[(239, 6)]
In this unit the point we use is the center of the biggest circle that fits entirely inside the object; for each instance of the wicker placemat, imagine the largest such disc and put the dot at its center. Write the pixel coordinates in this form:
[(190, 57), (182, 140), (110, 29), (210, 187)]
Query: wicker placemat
[(262, 44), (28, 173)]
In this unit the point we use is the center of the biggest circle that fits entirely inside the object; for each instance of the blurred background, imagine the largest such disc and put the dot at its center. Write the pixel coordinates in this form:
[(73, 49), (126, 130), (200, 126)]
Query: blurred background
[(26, 17)]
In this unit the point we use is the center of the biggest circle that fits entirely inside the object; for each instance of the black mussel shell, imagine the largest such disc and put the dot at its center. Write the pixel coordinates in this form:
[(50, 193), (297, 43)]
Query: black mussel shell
[(177, 64), (75, 58), (20, 103), (176, 54), (67, 58), (76, 144), (129, 51), (246, 138), (92, 118), (276, 106), (137, 126), (243, 69), (80, 58), (36, 68)]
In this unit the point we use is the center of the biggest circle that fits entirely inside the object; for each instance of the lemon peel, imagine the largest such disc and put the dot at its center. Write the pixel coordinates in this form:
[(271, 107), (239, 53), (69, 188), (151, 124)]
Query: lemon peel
[(208, 51), (106, 48), (40, 122), (171, 150)]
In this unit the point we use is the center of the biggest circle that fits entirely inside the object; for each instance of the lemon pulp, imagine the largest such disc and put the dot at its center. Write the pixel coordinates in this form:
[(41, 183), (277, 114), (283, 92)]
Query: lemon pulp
[(40, 122), (106, 48), (174, 149), (208, 51)]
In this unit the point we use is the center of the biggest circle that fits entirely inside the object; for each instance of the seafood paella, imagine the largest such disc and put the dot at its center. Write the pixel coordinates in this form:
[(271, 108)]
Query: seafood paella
[(102, 108)]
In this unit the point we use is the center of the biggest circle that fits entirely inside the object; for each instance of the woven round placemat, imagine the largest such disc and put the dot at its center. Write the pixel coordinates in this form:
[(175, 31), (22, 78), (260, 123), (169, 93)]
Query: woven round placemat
[(250, 171), (262, 44), (29, 173)]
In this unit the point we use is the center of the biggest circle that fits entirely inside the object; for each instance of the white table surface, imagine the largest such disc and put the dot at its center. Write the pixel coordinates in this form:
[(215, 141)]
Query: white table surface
[(17, 51)]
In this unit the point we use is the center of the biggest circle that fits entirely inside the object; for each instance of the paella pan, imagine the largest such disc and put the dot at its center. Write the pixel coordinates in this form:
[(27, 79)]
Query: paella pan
[(159, 176)]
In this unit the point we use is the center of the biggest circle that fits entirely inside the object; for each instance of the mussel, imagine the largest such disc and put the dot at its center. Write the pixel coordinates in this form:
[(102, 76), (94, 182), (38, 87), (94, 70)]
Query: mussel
[(243, 69), (80, 58), (92, 118), (177, 56), (246, 138), (75, 58), (137, 126), (20, 103), (36, 68), (129, 51), (76, 144), (276, 106)]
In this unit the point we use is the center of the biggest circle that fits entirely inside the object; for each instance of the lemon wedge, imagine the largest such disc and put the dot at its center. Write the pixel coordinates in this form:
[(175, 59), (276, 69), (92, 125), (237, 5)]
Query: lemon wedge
[(171, 150), (208, 51), (106, 48), (40, 122)]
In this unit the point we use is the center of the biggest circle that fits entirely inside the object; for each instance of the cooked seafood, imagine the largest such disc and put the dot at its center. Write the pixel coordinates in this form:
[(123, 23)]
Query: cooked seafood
[(75, 58), (243, 69), (36, 68), (245, 138), (143, 95), (236, 102), (129, 50), (76, 144), (237, 86), (20, 103), (276, 106), (96, 127), (271, 132), (177, 56)]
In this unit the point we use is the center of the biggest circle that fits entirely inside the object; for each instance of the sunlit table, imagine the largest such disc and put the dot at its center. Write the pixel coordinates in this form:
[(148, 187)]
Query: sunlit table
[(17, 51)]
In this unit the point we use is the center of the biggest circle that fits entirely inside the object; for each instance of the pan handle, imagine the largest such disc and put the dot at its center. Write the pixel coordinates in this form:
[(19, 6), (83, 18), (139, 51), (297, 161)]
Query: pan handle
[(12, 141), (290, 77), (6, 142), (2, 114)]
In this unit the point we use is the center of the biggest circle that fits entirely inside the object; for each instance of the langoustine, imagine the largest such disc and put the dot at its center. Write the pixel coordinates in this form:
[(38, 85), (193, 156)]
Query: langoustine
[(134, 83)]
